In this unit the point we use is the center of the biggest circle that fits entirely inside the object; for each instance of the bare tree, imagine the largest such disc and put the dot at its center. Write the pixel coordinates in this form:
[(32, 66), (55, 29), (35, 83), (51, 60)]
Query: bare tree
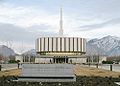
[(1, 57)]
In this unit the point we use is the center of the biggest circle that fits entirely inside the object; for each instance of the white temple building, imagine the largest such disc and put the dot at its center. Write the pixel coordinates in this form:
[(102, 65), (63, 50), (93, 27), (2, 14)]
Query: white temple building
[(60, 49)]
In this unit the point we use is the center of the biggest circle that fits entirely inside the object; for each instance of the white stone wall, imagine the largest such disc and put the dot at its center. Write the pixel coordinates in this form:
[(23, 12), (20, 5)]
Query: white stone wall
[(78, 60), (43, 60), (74, 60), (66, 44)]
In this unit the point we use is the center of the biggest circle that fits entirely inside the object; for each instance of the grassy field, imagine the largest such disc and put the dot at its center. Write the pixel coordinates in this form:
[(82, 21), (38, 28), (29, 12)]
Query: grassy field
[(13, 72), (89, 71), (78, 70), (85, 76)]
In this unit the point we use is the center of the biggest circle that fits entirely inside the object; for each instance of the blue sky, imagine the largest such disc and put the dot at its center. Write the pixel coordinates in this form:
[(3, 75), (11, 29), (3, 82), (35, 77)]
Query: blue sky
[(22, 21)]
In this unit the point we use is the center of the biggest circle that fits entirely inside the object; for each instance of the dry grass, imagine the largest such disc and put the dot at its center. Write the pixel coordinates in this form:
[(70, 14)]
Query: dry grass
[(87, 71), (79, 71), (13, 72)]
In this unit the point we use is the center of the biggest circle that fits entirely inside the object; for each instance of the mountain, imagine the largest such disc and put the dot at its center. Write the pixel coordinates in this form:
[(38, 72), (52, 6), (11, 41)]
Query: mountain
[(109, 45), (30, 52), (5, 51), (93, 50)]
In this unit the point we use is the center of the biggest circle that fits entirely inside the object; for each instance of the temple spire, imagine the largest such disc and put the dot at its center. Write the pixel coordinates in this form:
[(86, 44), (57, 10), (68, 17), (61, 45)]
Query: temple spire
[(61, 23)]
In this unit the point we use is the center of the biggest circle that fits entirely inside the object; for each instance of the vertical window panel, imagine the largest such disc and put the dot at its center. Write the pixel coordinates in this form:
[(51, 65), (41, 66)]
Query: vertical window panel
[(67, 44), (75, 44), (84, 45), (42, 44), (46, 44), (50, 44), (71, 44), (79, 43), (54, 44), (63, 44), (58, 44)]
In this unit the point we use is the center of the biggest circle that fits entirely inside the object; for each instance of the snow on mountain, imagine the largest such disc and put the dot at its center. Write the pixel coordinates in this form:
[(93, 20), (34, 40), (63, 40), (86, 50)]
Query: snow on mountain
[(5, 51), (109, 45), (93, 50), (30, 52), (115, 51)]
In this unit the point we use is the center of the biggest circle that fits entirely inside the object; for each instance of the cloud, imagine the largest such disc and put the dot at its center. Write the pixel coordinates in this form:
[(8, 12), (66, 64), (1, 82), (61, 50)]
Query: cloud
[(26, 20), (40, 27), (10, 31), (26, 16), (17, 35), (100, 25)]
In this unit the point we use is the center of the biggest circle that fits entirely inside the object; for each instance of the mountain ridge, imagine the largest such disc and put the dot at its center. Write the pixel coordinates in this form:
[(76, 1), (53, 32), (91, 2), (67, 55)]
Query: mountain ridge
[(108, 45), (6, 51)]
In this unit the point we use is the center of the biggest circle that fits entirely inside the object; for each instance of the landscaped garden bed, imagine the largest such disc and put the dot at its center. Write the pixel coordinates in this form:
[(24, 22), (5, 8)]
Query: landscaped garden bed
[(81, 81)]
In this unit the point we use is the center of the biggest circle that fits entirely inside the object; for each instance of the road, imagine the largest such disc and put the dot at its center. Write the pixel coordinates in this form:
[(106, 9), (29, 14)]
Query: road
[(115, 67)]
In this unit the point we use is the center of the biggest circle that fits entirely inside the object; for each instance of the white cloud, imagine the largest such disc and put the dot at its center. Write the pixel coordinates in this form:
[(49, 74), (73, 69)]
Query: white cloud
[(32, 16), (100, 32), (19, 47), (15, 35), (26, 16), (36, 21)]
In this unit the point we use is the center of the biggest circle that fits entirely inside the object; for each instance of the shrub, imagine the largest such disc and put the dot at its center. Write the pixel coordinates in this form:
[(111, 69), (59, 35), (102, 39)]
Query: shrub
[(12, 61), (107, 62)]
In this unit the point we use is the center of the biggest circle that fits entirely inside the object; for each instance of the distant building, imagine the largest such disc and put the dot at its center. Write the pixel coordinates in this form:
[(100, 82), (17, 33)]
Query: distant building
[(19, 57)]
